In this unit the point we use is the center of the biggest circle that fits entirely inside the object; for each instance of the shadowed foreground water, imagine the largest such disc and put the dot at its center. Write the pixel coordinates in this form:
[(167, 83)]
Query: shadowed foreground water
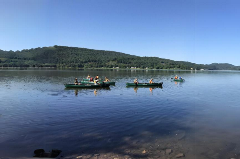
[(199, 117)]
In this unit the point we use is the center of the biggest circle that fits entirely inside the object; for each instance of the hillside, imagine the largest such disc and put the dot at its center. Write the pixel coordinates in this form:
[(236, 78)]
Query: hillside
[(63, 56)]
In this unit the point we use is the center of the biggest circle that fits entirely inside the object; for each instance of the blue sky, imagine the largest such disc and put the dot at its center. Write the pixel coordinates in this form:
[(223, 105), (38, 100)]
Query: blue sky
[(199, 31)]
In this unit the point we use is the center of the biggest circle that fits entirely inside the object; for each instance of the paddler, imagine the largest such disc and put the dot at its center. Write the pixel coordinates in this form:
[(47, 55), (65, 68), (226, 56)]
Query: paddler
[(76, 81), (135, 81), (106, 79), (151, 81), (95, 81), (96, 77)]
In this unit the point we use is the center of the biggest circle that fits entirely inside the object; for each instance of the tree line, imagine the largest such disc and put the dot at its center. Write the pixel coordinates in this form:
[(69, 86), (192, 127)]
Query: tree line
[(65, 57)]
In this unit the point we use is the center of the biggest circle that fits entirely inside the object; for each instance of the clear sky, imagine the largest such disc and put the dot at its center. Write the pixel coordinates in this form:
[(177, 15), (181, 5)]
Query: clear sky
[(199, 31)]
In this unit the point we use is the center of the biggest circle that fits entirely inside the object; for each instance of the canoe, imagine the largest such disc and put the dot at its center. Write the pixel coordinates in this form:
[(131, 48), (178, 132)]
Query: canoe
[(85, 79), (97, 88), (110, 83), (144, 84), (88, 82), (178, 80), (86, 85)]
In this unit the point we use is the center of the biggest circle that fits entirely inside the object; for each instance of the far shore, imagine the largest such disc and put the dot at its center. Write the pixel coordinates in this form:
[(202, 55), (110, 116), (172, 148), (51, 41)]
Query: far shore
[(73, 68)]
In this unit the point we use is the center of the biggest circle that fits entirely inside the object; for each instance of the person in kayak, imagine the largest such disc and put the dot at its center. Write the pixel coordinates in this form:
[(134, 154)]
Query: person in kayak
[(135, 81), (176, 77), (76, 81), (91, 79), (88, 77), (96, 77), (106, 79), (96, 82), (151, 81)]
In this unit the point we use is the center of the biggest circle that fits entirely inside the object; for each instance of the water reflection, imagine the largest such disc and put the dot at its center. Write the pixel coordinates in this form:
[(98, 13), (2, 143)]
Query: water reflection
[(178, 83), (150, 88), (86, 90), (76, 92), (95, 92), (135, 89)]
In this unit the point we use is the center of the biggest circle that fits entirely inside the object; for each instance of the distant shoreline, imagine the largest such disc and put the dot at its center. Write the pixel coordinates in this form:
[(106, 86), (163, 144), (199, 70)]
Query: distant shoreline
[(135, 69), (82, 58)]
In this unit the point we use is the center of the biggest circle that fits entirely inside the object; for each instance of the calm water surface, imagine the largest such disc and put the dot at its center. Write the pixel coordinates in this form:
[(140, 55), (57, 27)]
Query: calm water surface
[(198, 117)]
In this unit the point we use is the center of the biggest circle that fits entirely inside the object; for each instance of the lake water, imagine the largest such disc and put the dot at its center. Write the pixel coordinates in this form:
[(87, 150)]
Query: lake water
[(199, 117)]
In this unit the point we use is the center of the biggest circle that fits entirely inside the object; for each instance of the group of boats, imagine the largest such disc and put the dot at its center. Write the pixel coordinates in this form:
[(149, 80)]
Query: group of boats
[(87, 83)]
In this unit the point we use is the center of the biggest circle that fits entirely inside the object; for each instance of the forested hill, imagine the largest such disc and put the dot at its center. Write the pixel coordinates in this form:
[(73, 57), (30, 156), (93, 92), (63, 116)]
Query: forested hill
[(63, 56)]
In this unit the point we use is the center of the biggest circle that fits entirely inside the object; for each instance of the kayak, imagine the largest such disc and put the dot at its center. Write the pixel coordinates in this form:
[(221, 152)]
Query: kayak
[(86, 85), (145, 84), (88, 82), (179, 80)]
